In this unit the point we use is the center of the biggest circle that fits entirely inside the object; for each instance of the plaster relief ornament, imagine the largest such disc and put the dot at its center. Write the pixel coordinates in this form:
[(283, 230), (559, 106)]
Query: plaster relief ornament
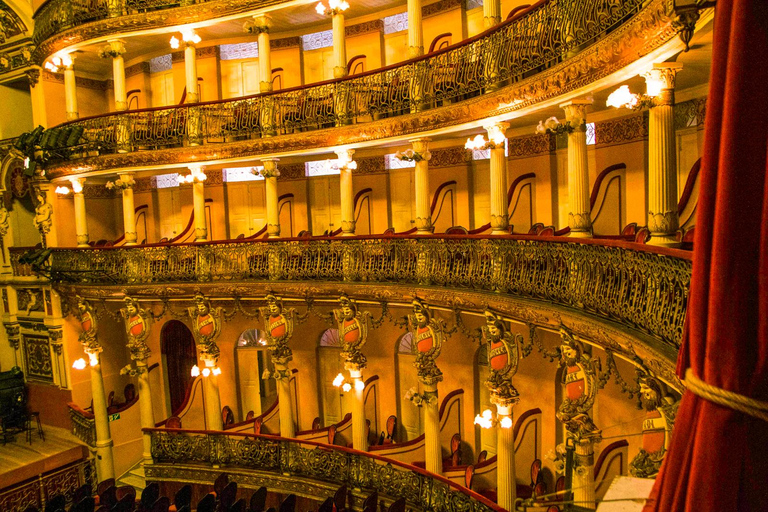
[(661, 409), (278, 327), (353, 332), (503, 358), (429, 334), (87, 319), (580, 382), (206, 326), (43, 214), (137, 323)]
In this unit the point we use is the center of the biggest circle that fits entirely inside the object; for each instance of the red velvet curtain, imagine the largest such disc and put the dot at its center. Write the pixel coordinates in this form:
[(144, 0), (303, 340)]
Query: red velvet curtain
[(718, 458)]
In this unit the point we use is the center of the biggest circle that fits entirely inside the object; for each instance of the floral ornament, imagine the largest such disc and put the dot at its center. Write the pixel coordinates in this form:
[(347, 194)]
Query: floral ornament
[(121, 183), (410, 155), (266, 173), (26, 53), (5, 62), (419, 399), (553, 126)]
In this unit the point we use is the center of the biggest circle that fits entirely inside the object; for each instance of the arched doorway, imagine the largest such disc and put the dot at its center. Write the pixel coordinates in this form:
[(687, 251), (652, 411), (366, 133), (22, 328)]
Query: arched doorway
[(483, 398), (179, 356), (252, 357), (329, 365), (407, 379)]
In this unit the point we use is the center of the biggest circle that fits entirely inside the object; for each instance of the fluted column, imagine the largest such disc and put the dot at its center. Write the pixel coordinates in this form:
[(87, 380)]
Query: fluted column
[(339, 45), (105, 466), (415, 29), (283, 378), (129, 213), (70, 88), (359, 434), (498, 164), (663, 219), (421, 182), (212, 397), (190, 72), (261, 24), (579, 219), (347, 192), (491, 13), (432, 449), (115, 49), (584, 474), (81, 221), (198, 205), (146, 411), (270, 174), (505, 457)]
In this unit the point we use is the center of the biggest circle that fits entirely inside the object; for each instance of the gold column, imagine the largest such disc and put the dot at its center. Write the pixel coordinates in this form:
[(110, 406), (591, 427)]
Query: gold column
[(115, 49), (359, 437), (81, 220), (662, 159), (129, 213), (584, 474), (212, 397), (261, 27), (415, 30), (190, 72), (432, 449), (505, 457), (346, 165), (339, 45), (70, 87), (198, 205), (421, 182), (270, 174), (579, 219), (285, 401), (491, 13), (146, 410), (498, 164), (105, 466)]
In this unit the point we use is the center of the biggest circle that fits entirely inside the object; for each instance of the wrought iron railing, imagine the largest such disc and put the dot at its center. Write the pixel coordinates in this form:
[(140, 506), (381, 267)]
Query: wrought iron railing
[(83, 424), (37, 491), (530, 42), (316, 461), (638, 286)]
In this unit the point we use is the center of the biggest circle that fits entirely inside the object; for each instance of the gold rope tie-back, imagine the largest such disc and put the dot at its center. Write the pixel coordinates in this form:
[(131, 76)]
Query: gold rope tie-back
[(735, 401)]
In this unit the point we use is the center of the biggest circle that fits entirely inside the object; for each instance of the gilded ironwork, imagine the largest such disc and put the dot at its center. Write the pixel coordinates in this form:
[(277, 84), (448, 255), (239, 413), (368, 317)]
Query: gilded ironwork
[(640, 289), (83, 428), (36, 492), (327, 463)]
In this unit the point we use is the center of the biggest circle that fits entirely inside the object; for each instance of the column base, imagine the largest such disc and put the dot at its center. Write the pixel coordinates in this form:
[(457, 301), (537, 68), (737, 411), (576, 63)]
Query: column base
[(580, 234), (71, 116), (339, 72), (415, 51), (663, 241)]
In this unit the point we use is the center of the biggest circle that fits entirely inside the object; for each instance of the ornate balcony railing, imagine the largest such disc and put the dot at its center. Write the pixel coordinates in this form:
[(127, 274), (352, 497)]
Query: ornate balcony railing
[(37, 491), (83, 424), (639, 286), (534, 40), (307, 459)]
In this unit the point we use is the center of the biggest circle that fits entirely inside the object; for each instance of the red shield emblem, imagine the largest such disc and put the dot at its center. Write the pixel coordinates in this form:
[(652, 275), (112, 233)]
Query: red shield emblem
[(137, 325), (575, 385), (424, 339), (276, 326), (499, 355), (87, 322), (351, 331), (654, 435), (205, 325)]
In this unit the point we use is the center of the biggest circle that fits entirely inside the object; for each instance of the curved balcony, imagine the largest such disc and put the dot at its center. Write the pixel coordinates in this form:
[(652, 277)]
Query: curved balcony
[(641, 287), (543, 52), (177, 452)]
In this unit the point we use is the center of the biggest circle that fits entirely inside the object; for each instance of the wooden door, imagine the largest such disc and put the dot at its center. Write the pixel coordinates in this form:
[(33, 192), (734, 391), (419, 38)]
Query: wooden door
[(401, 198), (324, 203), (179, 355)]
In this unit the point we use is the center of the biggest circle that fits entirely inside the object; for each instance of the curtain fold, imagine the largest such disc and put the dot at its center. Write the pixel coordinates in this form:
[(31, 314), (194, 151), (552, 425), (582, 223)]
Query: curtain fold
[(718, 458)]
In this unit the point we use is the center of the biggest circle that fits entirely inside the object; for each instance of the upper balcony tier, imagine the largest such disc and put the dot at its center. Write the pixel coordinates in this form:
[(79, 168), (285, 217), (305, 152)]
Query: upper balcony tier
[(536, 58)]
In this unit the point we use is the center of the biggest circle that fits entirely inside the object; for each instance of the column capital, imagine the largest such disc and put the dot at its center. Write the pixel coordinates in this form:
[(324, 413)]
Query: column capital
[(661, 76), (420, 145), (576, 110), (77, 182), (343, 154), (114, 48), (259, 24), (500, 127), (270, 168)]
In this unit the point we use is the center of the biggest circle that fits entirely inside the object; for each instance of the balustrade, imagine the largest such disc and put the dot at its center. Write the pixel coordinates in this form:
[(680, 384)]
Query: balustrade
[(529, 42), (641, 287), (83, 425), (311, 460)]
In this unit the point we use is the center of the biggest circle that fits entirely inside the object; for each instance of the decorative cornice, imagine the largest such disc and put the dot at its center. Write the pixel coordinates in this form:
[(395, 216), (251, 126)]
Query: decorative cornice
[(441, 6), (81, 82), (15, 57), (290, 172), (364, 28), (137, 69), (142, 21), (622, 130), (645, 32), (690, 113), (98, 192), (201, 53), (449, 157), (370, 165), (285, 43), (531, 145)]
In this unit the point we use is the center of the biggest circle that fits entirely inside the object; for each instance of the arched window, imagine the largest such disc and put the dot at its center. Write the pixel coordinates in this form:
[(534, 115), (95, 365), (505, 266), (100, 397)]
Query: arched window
[(330, 338), (329, 365), (277, 79), (405, 346)]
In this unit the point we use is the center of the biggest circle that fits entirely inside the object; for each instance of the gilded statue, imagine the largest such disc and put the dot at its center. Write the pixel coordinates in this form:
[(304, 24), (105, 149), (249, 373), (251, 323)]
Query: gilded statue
[(278, 328), (206, 326), (43, 213), (353, 332), (137, 324), (428, 335), (88, 324), (580, 383), (503, 358), (660, 410)]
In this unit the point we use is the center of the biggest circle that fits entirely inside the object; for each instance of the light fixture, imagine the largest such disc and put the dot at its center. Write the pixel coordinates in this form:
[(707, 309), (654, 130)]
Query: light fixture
[(338, 380), (188, 36), (206, 372), (334, 7), (344, 161), (62, 190), (93, 359), (79, 364), (216, 371), (506, 422), (359, 385), (195, 371), (196, 175), (623, 98), (77, 185), (496, 139), (346, 387), (485, 420)]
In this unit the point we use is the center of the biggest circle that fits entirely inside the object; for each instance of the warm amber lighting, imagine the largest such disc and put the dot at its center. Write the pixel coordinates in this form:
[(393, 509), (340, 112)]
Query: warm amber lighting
[(476, 144), (206, 372), (622, 98), (79, 364), (174, 43), (195, 371), (216, 371), (338, 380), (346, 387), (196, 175), (485, 420), (359, 385), (506, 422), (77, 187), (93, 359), (334, 7), (62, 190), (188, 35)]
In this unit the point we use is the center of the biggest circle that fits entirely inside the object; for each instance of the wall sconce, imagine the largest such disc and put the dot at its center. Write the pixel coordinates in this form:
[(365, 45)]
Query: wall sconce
[(496, 140), (58, 62), (188, 36), (556, 127), (334, 7), (196, 175), (62, 190), (486, 420), (195, 371), (79, 364), (624, 98), (344, 162), (205, 372), (77, 186)]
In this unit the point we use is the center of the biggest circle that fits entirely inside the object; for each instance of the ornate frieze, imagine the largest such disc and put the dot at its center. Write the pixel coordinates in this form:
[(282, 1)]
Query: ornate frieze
[(98, 192), (82, 82), (161, 63), (137, 69), (527, 146), (632, 128), (690, 113), (202, 52), (284, 43), (441, 6), (449, 157), (364, 28), (10, 23)]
